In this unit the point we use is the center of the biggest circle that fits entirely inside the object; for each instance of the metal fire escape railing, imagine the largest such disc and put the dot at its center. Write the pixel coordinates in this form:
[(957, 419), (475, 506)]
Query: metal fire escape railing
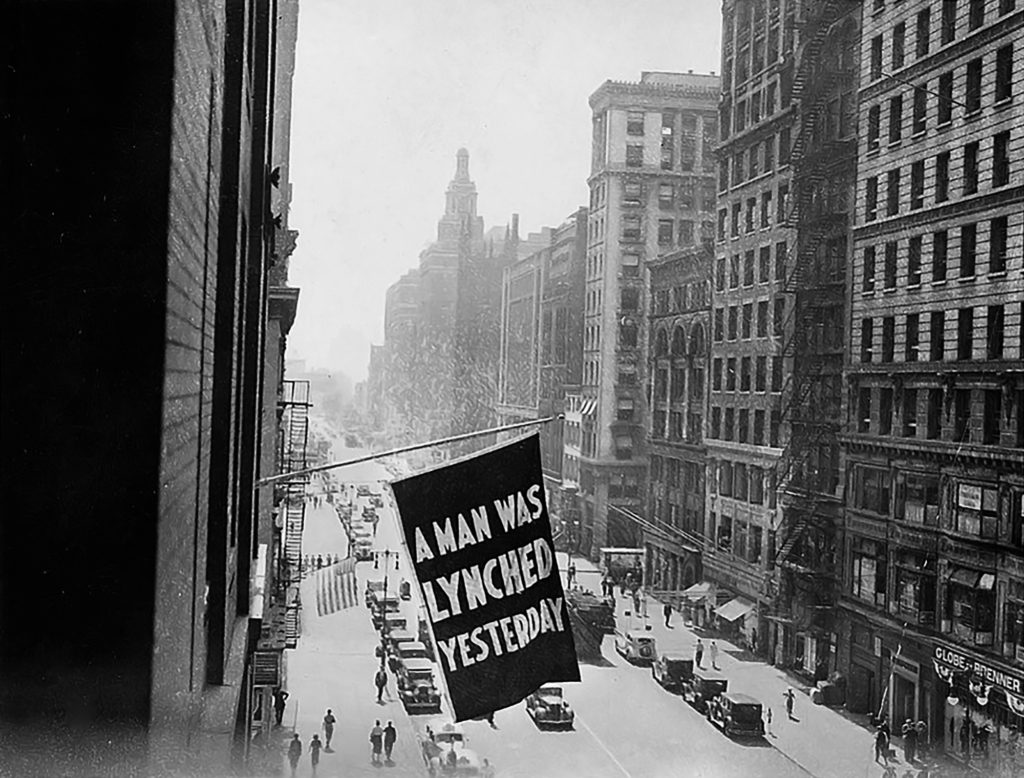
[(811, 289), (294, 406)]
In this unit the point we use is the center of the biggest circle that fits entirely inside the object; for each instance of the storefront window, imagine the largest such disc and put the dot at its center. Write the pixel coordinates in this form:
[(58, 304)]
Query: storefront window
[(915, 588), (1013, 622), (917, 498), (971, 606), (869, 571), (977, 510)]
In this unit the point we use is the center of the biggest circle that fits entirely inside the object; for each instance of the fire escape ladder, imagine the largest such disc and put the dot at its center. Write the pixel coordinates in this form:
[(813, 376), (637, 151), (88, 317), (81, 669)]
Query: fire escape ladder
[(295, 419)]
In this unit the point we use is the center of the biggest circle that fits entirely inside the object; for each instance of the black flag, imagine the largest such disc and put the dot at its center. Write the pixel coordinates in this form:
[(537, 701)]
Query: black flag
[(479, 536)]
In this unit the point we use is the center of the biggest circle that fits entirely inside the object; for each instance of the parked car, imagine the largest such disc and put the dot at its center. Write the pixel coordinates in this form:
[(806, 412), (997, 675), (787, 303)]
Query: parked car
[(547, 707), (374, 590), (636, 647), (415, 671), (736, 714), (672, 671), (703, 686)]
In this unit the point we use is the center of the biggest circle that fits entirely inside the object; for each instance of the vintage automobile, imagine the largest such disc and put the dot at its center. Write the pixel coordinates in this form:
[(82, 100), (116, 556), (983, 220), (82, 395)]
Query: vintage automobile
[(443, 744), (636, 647), (399, 638), (374, 590), (672, 671), (412, 650), (363, 490), (547, 708), (702, 686), (736, 714), (369, 512), (389, 605), (415, 671)]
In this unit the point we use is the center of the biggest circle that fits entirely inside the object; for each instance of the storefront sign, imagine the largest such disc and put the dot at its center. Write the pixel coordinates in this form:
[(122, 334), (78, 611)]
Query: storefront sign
[(969, 497), (961, 663)]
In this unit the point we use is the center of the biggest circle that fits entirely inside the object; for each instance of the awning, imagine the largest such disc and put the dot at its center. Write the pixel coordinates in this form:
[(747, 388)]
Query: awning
[(734, 609), (972, 578), (698, 591)]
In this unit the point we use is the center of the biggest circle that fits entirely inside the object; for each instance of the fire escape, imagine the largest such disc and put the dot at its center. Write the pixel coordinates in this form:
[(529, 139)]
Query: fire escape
[(806, 476), (294, 408)]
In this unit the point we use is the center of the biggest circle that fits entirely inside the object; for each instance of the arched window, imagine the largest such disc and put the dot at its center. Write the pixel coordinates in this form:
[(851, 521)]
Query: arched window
[(698, 342), (661, 344), (678, 342)]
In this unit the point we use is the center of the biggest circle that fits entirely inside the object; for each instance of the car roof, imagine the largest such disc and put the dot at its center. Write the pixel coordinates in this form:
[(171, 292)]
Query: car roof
[(741, 699), (418, 663), (404, 636), (413, 645), (635, 633)]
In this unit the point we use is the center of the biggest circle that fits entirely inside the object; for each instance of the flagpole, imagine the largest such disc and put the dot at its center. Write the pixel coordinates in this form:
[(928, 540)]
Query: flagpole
[(273, 479)]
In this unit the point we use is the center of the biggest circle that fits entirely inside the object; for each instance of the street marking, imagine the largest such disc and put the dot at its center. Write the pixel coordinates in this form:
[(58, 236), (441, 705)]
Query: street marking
[(603, 747)]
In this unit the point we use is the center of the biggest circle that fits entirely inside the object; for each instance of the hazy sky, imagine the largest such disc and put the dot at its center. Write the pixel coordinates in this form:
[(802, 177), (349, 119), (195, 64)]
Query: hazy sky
[(386, 91)]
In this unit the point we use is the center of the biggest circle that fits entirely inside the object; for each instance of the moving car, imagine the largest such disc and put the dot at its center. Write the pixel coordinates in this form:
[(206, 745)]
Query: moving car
[(547, 707), (443, 745), (672, 671), (703, 686), (636, 647), (736, 714)]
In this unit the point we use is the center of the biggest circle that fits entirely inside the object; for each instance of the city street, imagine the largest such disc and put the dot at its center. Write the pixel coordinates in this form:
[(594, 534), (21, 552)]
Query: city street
[(626, 724)]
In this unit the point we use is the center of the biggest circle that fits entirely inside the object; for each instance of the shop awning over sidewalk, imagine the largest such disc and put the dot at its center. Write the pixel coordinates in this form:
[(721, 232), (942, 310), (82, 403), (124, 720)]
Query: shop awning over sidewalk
[(734, 609), (698, 591)]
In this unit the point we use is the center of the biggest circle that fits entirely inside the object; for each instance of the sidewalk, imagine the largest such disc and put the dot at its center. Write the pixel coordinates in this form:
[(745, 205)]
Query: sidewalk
[(818, 739)]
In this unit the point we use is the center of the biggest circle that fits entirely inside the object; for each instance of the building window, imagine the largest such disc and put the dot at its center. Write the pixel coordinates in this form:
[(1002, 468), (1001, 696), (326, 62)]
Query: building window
[(913, 337), (769, 154), (915, 587), (890, 265), (776, 374), (871, 199), (914, 261), (748, 268), (774, 424), (888, 338), (751, 207), (631, 228), (992, 417), (971, 168), (971, 606), (892, 205), (872, 489), (758, 428), (779, 317), (962, 415), (938, 336), (876, 57), (666, 195), (909, 413), (948, 21), (716, 374), (785, 145), (723, 216), (764, 265), (942, 177), (864, 409), (730, 424), (997, 245), (630, 265), (634, 155), (752, 161), (934, 431), (745, 374), (917, 185), (869, 571), (719, 324), (975, 14), (762, 319), (885, 412), (780, 261), (968, 250), (868, 280), (867, 327), (730, 374), (917, 498), (746, 324), (1004, 73), (634, 122), (1001, 159), (665, 232), (743, 426), (940, 249), (733, 322), (899, 34), (924, 23), (895, 119), (766, 207), (945, 98), (716, 422), (972, 97), (994, 332), (965, 333), (874, 126), (736, 211), (760, 374), (632, 193), (734, 271), (920, 109)]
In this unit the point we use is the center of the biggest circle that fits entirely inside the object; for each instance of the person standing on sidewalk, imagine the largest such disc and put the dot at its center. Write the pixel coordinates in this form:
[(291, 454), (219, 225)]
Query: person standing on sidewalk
[(699, 654), (714, 654), (788, 694), (329, 721), (667, 609), (280, 698), (380, 681), (571, 576), (768, 721), (909, 732), (390, 736), (294, 752), (881, 746), (376, 739), (314, 752)]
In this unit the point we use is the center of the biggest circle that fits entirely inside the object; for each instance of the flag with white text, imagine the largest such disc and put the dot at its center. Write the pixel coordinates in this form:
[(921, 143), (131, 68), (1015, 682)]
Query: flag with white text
[(479, 536)]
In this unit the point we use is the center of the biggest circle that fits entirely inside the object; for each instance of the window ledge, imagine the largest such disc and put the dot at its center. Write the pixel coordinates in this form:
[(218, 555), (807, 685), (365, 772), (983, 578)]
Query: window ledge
[(1003, 104), (892, 290), (944, 125), (997, 274), (913, 287), (873, 152), (973, 115), (967, 279), (919, 134), (939, 283), (870, 293), (895, 144)]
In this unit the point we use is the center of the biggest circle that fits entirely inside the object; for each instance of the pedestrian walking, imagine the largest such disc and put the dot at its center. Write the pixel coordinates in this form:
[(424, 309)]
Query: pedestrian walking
[(881, 746), (788, 694), (280, 698), (699, 653), (376, 741), (314, 752), (571, 577), (713, 649), (380, 680), (768, 721), (294, 752), (390, 736), (909, 732), (329, 721), (667, 609)]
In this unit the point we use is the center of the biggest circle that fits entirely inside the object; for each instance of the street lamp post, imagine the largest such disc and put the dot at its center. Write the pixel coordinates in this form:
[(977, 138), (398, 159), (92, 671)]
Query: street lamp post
[(387, 554)]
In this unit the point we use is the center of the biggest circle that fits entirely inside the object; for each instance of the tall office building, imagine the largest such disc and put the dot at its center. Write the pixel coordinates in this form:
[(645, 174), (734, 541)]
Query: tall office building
[(652, 190), (933, 593)]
